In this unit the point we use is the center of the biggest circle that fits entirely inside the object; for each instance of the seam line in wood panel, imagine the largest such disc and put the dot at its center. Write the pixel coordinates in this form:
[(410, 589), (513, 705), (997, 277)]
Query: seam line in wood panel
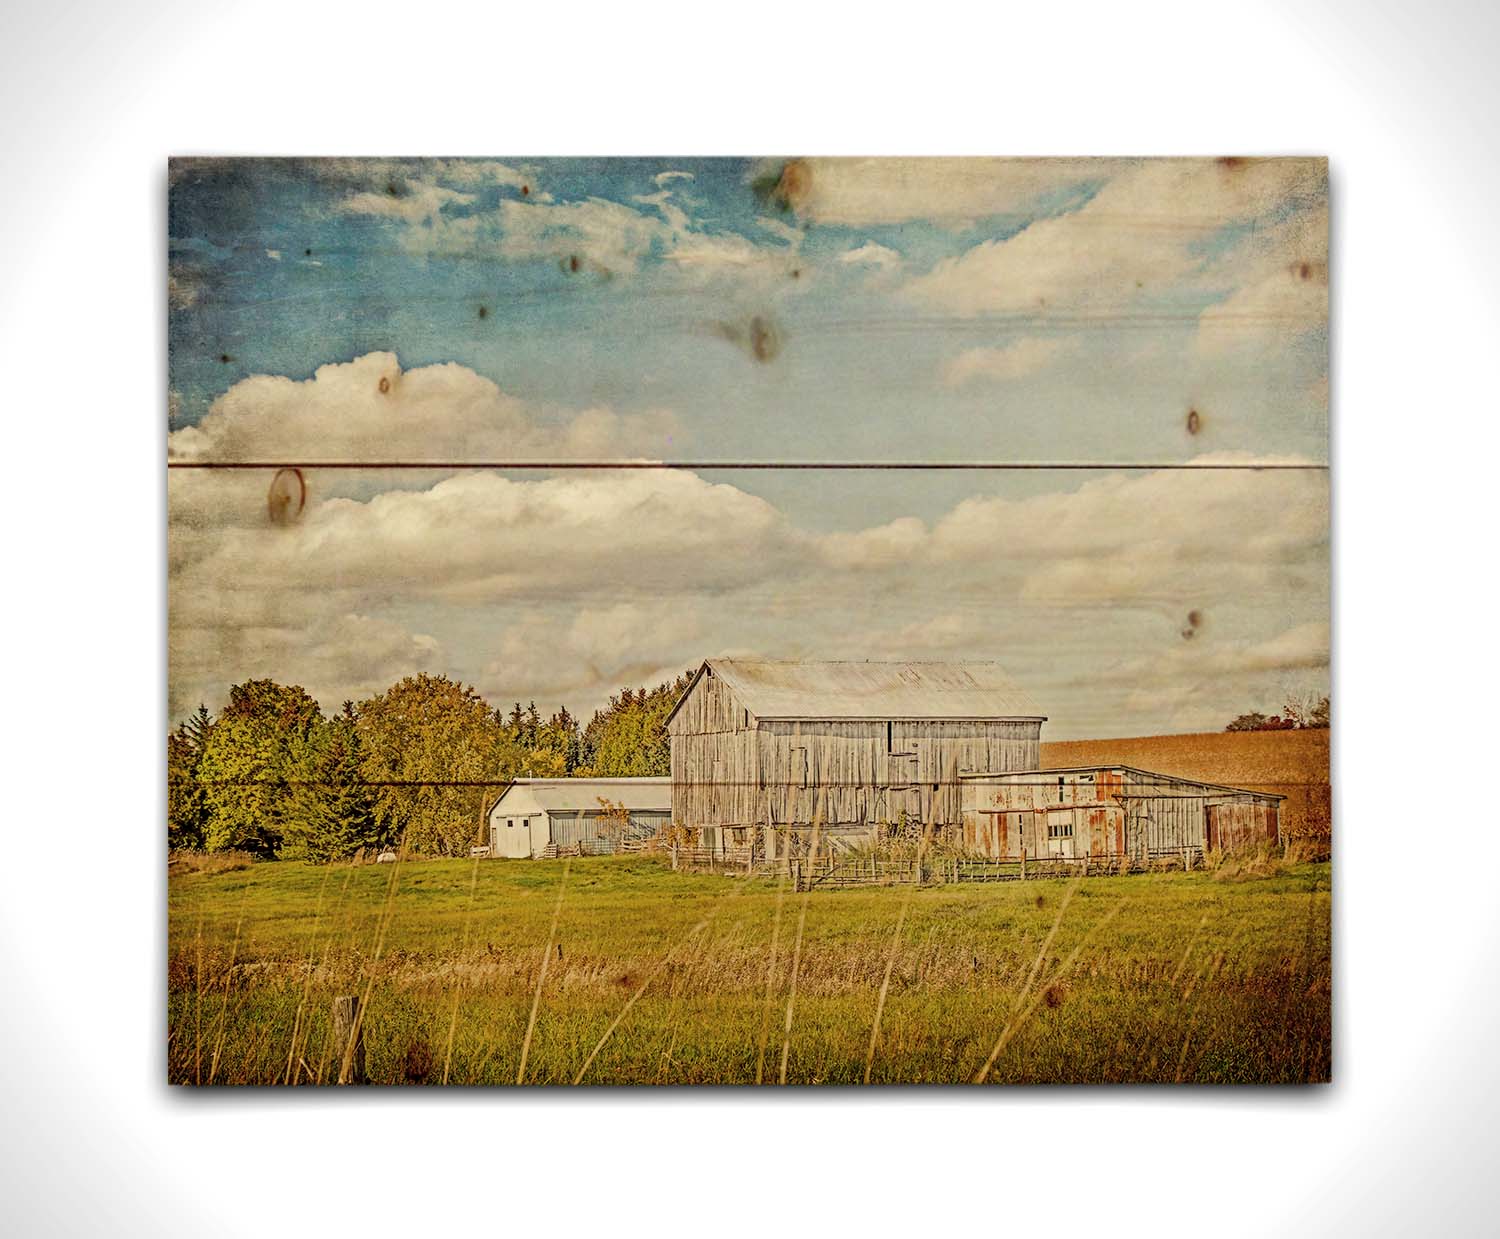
[(705, 465), (761, 785)]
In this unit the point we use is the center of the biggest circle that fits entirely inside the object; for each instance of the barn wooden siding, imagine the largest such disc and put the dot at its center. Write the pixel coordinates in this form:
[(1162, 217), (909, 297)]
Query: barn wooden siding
[(1107, 811), (731, 769)]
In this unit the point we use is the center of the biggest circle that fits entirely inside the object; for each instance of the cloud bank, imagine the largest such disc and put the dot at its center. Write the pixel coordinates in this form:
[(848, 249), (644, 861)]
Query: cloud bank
[(562, 587)]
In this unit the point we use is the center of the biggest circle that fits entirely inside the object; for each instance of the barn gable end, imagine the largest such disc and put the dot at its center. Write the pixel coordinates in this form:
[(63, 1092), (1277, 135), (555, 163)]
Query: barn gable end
[(762, 747)]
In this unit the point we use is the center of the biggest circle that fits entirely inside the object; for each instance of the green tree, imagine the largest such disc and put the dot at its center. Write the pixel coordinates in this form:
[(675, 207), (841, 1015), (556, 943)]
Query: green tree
[(421, 742), (187, 806), (629, 737), (251, 763), (332, 813)]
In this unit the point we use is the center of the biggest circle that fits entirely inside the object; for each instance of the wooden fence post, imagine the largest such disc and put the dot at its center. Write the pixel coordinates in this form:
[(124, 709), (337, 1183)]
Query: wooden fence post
[(1023, 862), (349, 1040)]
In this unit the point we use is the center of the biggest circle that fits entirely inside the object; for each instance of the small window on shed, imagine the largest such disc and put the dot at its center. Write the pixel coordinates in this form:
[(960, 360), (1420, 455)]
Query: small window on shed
[(511, 822)]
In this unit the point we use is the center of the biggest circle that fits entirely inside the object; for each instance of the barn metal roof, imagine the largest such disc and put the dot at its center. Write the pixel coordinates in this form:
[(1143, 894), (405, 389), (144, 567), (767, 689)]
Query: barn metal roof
[(798, 689), (1162, 780), (574, 795)]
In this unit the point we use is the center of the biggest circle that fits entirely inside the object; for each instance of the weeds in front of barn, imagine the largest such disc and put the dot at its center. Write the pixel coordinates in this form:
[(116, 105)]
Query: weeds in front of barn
[(655, 977)]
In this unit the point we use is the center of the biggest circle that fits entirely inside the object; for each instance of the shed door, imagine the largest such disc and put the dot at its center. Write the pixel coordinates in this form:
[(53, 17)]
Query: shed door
[(1060, 832)]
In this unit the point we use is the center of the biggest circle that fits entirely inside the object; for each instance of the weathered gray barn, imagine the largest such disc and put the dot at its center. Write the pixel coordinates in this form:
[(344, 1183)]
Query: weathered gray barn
[(540, 817), (1110, 811), (760, 744)]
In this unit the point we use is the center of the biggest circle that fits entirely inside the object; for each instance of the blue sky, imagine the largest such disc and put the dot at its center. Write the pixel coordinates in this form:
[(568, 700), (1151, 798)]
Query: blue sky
[(762, 310)]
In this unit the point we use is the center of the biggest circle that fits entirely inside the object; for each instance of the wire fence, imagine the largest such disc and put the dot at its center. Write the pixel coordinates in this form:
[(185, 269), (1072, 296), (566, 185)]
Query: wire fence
[(833, 871)]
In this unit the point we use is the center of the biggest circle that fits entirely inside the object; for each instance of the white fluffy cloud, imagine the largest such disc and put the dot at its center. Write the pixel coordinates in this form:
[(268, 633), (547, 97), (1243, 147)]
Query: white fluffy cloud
[(336, 656), (1142, 237), (1164, 543), (371, 409), (596, 651), (1281, 291), (583, 560), (418, 201), (1010, 361), (479, 537), (595, 237), (871, 254)]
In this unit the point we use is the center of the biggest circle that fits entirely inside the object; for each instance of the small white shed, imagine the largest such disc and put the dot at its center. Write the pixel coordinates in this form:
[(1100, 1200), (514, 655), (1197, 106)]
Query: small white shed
[(537, 817)]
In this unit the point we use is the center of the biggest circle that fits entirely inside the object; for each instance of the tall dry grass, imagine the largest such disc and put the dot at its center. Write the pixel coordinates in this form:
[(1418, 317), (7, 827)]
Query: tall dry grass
[(671, 977)]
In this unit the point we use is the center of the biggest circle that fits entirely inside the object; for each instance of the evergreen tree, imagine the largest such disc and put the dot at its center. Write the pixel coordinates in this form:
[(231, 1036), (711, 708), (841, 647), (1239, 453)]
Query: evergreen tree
[(187, 806), (563, 737), (333, 813), (629, 737), (198, 725)]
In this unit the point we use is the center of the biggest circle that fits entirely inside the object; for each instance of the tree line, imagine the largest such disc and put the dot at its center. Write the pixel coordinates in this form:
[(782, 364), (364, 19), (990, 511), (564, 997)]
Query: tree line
[(419, 763), (1296, 715)]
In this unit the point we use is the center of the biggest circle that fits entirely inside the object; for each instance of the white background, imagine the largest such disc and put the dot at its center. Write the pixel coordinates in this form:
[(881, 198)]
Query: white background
[(1402, 97)]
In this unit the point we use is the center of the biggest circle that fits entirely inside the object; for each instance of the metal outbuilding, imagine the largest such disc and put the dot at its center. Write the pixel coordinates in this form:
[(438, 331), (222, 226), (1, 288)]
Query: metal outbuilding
[(540, 817), (1110, 811)]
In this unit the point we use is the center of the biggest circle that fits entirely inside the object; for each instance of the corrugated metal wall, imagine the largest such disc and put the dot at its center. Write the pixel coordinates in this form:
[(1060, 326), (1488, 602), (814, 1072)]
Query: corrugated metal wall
[(570, 828)]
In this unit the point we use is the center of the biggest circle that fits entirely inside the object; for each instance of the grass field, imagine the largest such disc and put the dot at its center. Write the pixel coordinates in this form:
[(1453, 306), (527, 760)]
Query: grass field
[(668, 978)]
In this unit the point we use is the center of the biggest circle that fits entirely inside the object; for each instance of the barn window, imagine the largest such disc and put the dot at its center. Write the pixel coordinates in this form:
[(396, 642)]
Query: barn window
[(747, 720), (1059, 791), (1060, 830), (890, 737), (510, 821)]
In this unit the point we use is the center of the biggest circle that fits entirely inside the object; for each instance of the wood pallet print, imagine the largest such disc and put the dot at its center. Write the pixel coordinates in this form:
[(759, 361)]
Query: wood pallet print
[(753, 622)]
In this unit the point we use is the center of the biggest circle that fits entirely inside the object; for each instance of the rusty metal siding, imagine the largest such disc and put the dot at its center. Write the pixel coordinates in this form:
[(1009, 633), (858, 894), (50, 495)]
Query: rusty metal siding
[(1114, 811), (1004, 817)]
